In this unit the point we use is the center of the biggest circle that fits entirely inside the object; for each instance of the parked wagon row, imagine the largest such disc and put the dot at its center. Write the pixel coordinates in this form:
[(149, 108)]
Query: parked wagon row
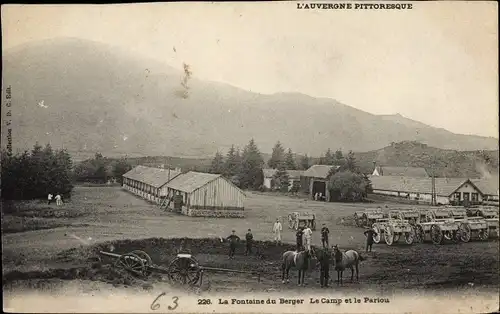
[(438, 225)]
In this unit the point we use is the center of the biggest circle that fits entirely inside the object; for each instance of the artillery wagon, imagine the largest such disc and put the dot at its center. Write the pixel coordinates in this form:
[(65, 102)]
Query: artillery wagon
[(298, 219), (470, 226), (184, 269), (439, 225), (399, 224), (367, 217), (490, 215)]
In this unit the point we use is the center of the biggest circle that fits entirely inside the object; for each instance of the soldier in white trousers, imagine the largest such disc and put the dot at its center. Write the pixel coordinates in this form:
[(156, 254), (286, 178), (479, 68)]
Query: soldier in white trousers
[(307, 238), (277, 228)]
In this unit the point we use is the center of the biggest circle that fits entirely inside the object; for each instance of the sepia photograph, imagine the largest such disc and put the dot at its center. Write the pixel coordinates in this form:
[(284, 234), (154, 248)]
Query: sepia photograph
[(250, 157)]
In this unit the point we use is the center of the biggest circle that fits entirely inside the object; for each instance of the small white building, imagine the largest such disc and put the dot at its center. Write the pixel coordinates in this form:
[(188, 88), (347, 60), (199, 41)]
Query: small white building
[(206, 195), (293, 177), (420, 189), (149, 183)]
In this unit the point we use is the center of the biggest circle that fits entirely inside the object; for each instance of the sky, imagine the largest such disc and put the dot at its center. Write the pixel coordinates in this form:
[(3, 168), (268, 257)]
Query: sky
[(436, 63)]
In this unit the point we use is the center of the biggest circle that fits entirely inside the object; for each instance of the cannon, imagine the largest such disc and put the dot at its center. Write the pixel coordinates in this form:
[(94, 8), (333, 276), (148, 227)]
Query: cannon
[(184, 269)]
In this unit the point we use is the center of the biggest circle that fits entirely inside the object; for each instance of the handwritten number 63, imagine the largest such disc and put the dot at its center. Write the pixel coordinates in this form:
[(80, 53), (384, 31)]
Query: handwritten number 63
[(155, 306)]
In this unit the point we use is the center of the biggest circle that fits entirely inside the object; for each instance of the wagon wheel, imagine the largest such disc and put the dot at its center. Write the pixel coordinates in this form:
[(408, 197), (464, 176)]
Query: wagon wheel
[(364, 220), (409, 237), (357, 221), (388, 235), (464, 232), (419, 234), (132, 263), (376, 238), (146, 260), (483, 234), (436, 234), (184, 271), (291, 222)]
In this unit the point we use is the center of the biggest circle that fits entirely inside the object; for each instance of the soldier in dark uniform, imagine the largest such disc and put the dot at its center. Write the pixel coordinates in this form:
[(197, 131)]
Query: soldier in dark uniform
[(233, 241), (324, 260), (249, 239), (370, 233), (324, 235), (299, 239)]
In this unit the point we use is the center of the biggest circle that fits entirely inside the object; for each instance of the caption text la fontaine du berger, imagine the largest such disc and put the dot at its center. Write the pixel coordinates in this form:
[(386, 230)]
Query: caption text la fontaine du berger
[(354, 6)]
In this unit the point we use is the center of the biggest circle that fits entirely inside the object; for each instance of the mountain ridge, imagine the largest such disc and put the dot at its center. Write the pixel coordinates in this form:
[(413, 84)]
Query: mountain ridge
[(100, 98)]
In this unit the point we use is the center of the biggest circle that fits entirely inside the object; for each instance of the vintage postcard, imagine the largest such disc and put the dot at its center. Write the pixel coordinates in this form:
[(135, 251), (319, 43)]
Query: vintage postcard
[(239, 157)]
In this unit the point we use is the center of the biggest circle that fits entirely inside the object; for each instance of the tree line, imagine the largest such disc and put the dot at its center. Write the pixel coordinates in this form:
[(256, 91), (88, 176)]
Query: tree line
[(243, 168), (345, 182), (36, 173), (101, 169)]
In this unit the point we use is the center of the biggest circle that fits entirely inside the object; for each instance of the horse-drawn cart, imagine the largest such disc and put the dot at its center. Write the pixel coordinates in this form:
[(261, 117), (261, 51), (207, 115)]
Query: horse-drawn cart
[(306, 219), (440, 225), (477, 226), (184, 269), (397, 225), (367, 217), (490, 214)]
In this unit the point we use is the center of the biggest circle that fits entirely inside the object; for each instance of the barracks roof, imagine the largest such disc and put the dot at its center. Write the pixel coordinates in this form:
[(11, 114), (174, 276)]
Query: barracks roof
[(155, 177)]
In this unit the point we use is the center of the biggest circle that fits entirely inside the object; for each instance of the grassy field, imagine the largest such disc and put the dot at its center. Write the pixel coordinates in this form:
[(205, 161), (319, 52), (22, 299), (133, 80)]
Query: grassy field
[(97, 215)]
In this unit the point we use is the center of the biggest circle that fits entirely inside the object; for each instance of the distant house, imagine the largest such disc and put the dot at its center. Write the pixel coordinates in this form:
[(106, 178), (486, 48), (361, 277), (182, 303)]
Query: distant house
[(448, 190), (489, 187), (148, 182), (293, 177), (412, 172), (315, 180), (205, 194)]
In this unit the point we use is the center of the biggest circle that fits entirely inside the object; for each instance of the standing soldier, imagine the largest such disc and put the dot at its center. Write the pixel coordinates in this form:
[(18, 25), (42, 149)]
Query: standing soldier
[(299, 235), (307, 238), (324, 260), (233, 241), (58, 200), (49, 198), (249, 239), (277, 231), (370, 233), (324, 235)]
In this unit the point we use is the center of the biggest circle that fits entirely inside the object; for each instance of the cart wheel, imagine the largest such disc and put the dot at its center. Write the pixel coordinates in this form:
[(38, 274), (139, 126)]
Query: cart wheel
[(376, 238), (409, 237), (132, 263), (389, 235), (146, 260), (436, 234), (185, 271), (483, 234), (291, 222), (419, 234), (464, 232)]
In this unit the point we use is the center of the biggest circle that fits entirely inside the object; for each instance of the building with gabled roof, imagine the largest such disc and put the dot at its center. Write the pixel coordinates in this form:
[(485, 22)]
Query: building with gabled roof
[(149, 182), (205, 194), (293, 177), (315, 180), (447, 190)]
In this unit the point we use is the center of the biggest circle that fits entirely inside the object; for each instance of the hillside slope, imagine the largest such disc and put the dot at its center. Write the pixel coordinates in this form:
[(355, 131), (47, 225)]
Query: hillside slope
[(446, 163), (99, 98)]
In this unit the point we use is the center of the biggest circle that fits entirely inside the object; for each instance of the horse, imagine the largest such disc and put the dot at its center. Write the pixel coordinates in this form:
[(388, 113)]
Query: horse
[(299, 260), (349, 259)]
